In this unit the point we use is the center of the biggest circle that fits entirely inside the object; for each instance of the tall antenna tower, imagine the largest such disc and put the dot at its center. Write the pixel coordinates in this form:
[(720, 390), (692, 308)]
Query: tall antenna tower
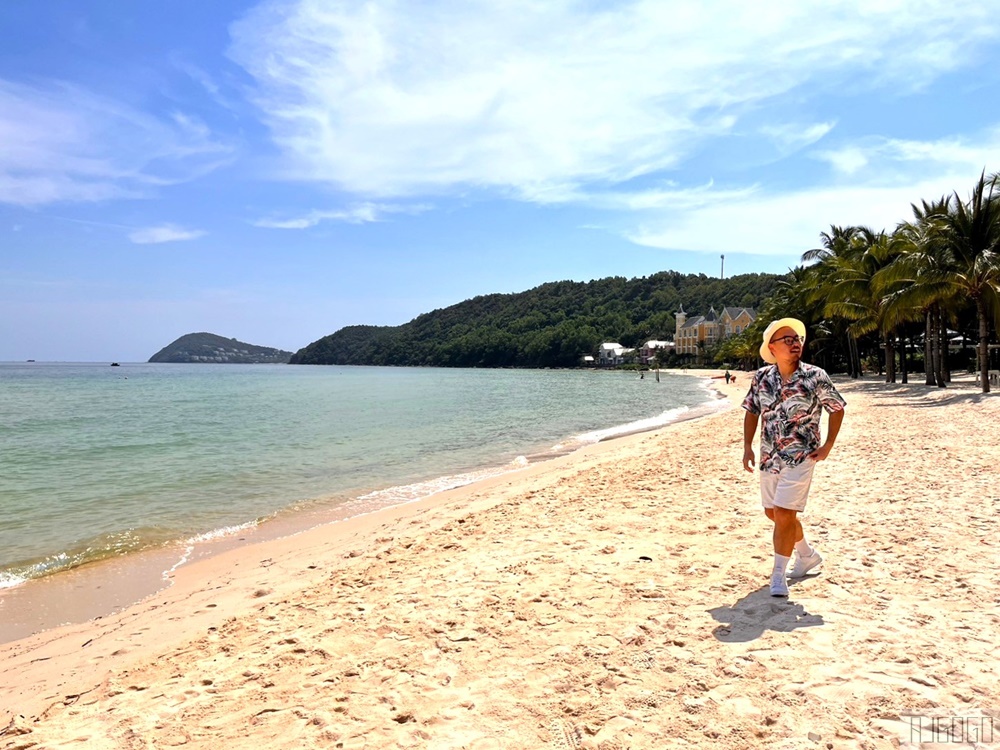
[(722, 271)]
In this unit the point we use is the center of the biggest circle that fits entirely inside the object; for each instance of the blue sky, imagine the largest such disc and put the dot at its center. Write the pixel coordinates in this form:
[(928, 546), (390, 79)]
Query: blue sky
[(275, 171)]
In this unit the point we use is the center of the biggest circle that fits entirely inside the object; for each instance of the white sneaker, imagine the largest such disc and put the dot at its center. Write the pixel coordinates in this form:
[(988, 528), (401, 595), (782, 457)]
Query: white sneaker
[(804, 564), (779, 587)]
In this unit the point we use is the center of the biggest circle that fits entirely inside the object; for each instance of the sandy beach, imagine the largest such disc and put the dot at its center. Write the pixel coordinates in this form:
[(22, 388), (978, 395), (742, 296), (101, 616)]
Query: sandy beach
[(613, 598)]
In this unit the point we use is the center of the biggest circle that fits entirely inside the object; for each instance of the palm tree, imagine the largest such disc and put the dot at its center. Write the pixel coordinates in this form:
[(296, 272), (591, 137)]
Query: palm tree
[(842, 247), (971, 232), (839, 243), (794, 298), (859, 291), (924, 267), (742, 348)]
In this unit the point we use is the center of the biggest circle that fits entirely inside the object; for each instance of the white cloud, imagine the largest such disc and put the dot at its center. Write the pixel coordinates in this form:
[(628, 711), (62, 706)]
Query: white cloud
[(63, 143), (542, 100), (792, 136), (668, 198), (876, 181), (789, 223), (196, 73), (164, 233), (220, 94), (360, 214), (901, 159), (847, 160)]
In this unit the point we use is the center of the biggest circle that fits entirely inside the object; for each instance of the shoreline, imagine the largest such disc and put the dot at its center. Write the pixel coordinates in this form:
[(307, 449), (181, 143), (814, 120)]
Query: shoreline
[(105, 587), (612, 597), (192, 585)]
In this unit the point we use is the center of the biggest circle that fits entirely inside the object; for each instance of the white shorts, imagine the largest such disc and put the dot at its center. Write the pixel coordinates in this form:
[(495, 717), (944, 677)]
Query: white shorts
[(789, 488)]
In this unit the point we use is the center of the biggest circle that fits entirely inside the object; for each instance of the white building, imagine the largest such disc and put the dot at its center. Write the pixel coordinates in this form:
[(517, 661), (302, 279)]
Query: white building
[(611, 354), (648, 351)]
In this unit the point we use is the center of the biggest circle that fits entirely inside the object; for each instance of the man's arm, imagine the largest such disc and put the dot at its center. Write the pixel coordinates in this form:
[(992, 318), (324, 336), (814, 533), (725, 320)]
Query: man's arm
[(832, 430), (749, 429)]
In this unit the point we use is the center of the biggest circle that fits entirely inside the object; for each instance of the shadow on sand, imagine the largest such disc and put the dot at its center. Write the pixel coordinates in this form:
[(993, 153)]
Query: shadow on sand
[(916, 393), (758, 612)]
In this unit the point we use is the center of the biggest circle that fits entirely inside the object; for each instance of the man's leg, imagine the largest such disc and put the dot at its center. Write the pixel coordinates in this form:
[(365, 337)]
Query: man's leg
[(792, 493), (768, 487), (787, 493), (800, 535), (786, 529), (785, 526)]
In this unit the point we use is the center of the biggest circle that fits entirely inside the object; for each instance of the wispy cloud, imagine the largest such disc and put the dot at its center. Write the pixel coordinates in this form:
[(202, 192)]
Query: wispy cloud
[(542, 101), (164, 233), (667, 197), (794, 136), (360, 214), (196, 73), (896, 159), (783, 223), (873, 182), (223, 96), (62, 143)]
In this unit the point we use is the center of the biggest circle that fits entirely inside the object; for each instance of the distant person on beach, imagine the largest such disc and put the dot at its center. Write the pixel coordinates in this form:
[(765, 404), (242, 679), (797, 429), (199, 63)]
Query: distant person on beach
[(727, 376), (789, 396)]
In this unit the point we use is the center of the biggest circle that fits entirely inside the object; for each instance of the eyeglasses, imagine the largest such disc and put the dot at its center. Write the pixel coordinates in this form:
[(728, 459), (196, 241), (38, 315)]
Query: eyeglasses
[(790, 340)]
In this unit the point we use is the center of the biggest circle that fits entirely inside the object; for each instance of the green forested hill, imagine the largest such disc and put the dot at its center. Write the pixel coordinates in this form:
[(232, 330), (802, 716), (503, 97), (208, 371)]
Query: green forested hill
[(552, 325), (207, 347)]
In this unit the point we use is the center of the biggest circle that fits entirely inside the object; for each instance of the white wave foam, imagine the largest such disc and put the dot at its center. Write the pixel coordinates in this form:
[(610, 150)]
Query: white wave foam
[(52, 564), (640, 425), (9, 580), (220, 533), (185, 556), (410, 492), (208, 536)]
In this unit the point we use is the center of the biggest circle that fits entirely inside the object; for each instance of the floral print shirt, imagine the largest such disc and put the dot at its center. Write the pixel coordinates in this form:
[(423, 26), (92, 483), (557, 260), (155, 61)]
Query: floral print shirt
[(790, 412)]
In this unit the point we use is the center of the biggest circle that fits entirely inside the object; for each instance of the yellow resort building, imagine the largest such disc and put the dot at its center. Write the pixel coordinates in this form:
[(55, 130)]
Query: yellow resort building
[(710, 328)]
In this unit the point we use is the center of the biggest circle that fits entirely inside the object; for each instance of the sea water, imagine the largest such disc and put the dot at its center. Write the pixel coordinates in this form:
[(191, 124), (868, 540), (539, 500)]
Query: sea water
[(98, 461)]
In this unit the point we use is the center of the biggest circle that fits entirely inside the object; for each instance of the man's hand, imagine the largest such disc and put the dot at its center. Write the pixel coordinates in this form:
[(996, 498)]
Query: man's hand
[(749, 428), (836, 419), (821, 453)]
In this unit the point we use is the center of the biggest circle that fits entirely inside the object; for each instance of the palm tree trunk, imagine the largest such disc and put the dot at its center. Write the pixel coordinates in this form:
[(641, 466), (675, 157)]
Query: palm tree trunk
[(852, 356), (945, 349), (890, 358), (903, 374), (984, 344), (943, 372), (929, 366)]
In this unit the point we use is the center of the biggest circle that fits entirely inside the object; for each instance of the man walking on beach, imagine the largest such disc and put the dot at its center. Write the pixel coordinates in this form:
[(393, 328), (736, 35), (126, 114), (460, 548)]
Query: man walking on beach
[(788, 396)]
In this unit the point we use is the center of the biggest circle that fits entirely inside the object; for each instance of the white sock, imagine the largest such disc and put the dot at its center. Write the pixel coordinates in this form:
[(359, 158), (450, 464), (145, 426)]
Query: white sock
[(803, 548), (780, 564)]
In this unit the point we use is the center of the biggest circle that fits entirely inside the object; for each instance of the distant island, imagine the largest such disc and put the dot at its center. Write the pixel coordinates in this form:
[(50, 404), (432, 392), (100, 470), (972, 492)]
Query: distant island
[(207, 347)]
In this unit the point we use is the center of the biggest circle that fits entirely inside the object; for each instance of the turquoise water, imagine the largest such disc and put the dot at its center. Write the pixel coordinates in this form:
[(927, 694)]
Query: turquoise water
[(99, 461)]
